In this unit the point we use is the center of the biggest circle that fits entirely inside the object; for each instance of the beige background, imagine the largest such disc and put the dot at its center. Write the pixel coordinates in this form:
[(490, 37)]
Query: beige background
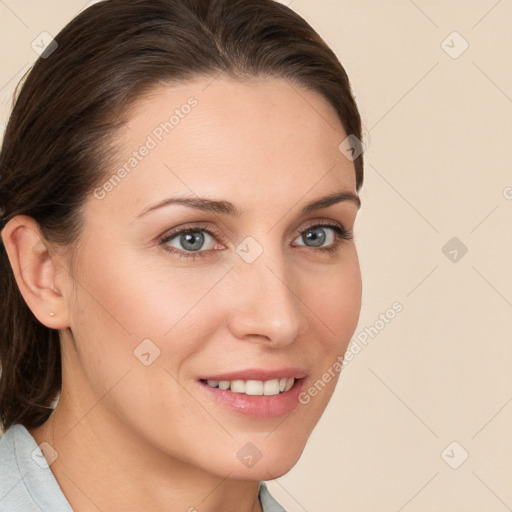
[(438, 134)]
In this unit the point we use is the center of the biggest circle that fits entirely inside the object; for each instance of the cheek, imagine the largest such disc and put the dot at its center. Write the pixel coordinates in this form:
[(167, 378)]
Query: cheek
[(141, 295), (128, 299), (334, 297), (125, 301)]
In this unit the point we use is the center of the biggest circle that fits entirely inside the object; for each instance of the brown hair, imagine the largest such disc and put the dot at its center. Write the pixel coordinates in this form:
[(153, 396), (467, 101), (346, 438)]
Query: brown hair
[(56, 145)]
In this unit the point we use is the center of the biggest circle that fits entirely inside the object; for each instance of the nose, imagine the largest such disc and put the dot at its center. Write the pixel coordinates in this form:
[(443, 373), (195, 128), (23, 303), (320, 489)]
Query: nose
[(266, 309)]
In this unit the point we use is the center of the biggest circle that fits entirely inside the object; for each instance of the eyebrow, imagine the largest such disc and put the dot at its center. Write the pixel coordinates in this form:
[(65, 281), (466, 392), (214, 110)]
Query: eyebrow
[(227, 208)]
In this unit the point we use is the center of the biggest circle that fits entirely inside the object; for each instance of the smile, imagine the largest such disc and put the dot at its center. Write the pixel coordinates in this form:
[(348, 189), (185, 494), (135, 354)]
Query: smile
[(260, 393)]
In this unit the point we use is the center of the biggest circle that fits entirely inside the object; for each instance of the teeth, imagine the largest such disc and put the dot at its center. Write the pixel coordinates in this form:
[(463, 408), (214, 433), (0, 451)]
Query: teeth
[(254, 387), (238, 386), (271, 387)]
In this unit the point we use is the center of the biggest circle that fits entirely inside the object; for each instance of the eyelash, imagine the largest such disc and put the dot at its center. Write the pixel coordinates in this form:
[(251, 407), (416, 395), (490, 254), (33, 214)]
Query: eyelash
[(340, 235)]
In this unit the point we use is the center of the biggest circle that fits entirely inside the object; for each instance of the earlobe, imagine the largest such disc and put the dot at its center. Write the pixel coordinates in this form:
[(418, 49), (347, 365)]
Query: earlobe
[(35, 271)]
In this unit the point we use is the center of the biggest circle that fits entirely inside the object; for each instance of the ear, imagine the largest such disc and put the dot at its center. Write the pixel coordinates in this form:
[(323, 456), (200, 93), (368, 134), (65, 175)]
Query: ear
[(35, 271)]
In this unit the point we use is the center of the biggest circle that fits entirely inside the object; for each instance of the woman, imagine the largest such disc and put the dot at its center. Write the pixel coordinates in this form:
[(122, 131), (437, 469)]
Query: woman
[(179, 187)]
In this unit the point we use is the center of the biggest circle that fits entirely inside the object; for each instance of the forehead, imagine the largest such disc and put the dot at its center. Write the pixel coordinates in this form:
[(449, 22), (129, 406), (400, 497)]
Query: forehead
[(247, 138)]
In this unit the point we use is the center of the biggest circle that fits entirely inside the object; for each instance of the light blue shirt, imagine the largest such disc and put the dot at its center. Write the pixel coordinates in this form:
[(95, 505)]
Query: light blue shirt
[(27, 483)]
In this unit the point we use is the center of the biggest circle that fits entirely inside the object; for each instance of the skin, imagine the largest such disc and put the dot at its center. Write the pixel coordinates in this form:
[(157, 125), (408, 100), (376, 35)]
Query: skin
[(135, 437)]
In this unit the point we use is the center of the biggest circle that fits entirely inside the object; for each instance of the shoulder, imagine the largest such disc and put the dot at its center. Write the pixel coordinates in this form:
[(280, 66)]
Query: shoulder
[(26, 481), (268, 503), (13, 492)]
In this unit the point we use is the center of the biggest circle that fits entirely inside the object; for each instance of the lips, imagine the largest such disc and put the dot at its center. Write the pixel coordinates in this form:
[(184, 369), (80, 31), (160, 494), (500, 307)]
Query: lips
[(261, 393)]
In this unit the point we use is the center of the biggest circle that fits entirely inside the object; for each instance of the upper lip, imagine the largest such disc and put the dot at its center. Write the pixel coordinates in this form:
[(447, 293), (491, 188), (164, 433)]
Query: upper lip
[(262, 374)]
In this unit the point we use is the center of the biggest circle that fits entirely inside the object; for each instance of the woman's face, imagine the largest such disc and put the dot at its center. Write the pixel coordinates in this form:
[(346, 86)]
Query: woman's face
[(254, 296)]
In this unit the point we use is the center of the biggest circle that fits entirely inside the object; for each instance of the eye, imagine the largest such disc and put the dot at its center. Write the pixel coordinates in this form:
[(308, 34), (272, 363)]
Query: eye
[(189, 242), (325, 236)]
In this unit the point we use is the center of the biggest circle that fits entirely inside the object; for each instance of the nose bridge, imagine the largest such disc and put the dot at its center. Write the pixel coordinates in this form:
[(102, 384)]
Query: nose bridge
[(266, 306)]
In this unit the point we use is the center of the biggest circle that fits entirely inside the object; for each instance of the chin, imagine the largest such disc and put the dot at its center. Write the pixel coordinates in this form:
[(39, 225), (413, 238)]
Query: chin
[(270, 466), (265, 458)]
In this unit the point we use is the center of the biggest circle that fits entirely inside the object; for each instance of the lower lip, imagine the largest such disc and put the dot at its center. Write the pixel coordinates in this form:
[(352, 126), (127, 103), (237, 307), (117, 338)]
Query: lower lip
[(257, 406)]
